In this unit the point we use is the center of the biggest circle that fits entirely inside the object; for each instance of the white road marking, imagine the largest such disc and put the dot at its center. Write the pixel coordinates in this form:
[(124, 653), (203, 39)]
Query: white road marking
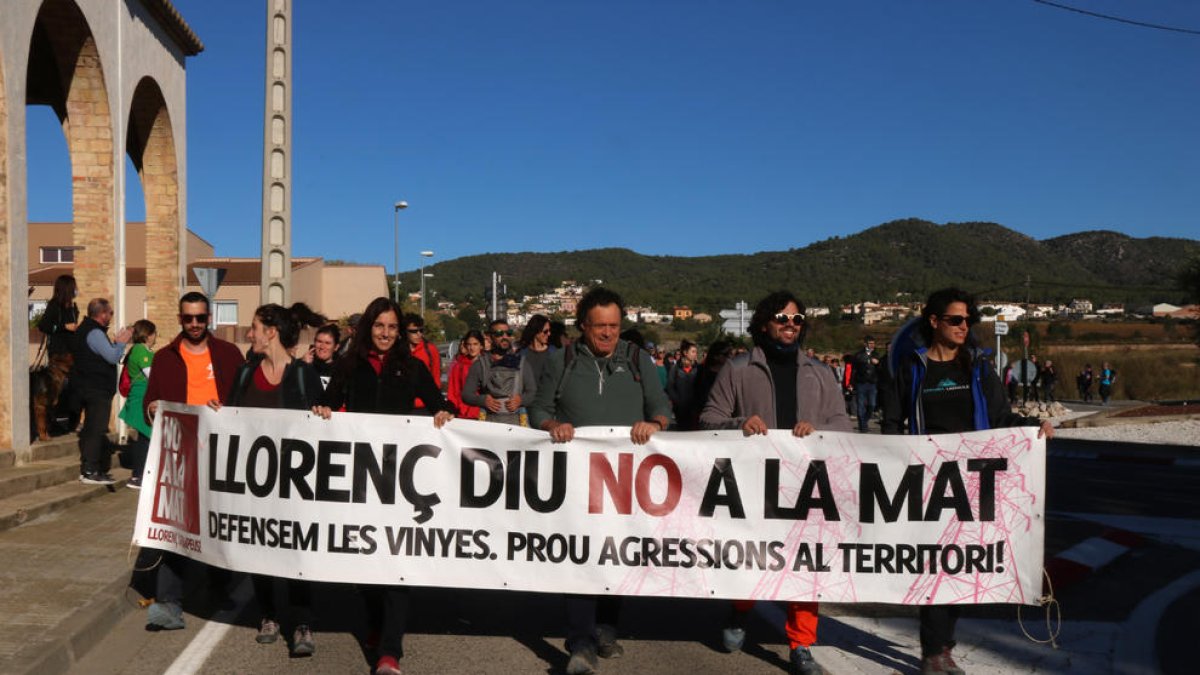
[(191, 660)]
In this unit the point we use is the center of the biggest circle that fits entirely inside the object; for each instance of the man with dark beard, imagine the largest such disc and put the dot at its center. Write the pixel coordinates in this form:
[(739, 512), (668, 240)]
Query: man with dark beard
[(779, 387), (499, 383), (197, 367)]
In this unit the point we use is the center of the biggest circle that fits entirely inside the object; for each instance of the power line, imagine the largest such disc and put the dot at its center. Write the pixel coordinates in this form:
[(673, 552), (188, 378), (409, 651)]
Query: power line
[(1173, 29)]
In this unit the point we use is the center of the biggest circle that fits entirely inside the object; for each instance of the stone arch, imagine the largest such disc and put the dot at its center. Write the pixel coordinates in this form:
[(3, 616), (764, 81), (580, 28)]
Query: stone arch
[(151, 147), (65, 72)]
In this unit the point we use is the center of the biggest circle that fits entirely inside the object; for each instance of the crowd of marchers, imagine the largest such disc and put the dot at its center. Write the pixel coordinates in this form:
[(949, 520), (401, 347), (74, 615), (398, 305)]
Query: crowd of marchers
[(934, 379)]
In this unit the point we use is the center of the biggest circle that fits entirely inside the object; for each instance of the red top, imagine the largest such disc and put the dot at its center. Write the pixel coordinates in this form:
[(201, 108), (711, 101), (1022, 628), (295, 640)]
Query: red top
[(454, 389)]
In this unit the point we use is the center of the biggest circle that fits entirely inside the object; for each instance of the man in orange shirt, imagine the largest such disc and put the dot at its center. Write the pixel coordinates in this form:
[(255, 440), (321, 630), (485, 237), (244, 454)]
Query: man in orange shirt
[(197, 367)]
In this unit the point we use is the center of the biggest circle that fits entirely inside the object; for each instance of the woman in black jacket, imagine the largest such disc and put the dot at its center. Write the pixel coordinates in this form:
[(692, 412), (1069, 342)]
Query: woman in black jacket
[(378, 375), (947, 386), (273, 378)]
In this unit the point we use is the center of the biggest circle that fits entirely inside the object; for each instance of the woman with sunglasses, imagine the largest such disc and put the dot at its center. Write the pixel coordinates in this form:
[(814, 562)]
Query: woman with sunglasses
[(779, 387), (380, 375), (535, 345), (946, 386)]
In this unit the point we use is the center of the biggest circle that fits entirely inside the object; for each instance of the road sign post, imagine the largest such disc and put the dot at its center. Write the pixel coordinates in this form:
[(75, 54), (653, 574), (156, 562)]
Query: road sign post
[(1001, 329)]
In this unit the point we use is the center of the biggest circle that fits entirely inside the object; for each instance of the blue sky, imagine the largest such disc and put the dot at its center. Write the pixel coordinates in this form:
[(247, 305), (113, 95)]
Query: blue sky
[(683, 127)]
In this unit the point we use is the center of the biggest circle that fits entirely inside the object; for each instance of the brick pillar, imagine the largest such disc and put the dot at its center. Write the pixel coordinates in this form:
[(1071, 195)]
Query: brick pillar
[(88, 128), (160, 184)]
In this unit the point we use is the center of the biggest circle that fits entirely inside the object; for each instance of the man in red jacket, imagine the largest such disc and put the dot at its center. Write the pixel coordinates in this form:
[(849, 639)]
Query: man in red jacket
[(422, 350), (197, 367)]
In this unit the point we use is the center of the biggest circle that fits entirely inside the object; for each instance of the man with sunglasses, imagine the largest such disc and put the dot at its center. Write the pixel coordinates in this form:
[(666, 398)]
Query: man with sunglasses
[(197, 367), (422, 350), (778, 387), (500, 382)]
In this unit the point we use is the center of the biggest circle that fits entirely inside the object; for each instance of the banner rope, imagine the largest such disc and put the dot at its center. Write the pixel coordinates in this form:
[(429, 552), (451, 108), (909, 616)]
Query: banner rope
[(1053, 615)]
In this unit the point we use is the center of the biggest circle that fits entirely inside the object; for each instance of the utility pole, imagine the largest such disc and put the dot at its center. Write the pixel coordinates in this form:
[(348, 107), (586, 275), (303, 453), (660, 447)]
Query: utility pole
[(276, 275)]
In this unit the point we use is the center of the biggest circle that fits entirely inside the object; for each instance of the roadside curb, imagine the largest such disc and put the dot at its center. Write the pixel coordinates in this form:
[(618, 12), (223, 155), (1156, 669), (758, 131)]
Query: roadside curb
[(75, 636), (1116, 451), (1089, 556)]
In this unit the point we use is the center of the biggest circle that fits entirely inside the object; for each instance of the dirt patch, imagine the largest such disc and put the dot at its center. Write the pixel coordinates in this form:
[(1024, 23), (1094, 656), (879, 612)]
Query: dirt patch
[(1159, 410)]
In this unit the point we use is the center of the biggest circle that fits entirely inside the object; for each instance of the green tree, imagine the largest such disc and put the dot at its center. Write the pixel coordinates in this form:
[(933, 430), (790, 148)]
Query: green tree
[(469, 317)]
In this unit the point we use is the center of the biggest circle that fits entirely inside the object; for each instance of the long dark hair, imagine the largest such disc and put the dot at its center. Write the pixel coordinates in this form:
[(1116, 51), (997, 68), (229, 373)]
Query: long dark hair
[(288, 321), (536, 323), (765, 312), (362, 332), (473, 333), (936, 305), (64, 290)]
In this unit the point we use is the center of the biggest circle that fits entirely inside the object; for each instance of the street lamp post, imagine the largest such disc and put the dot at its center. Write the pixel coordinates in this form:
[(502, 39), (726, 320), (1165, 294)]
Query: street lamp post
[(424, 255), (400, 205)]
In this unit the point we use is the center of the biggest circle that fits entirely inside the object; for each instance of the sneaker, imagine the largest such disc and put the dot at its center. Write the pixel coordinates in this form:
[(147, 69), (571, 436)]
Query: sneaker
[(387, 665), (268, 632), (607, 646), (733, 638), (164, 616), (96, 478), (940, 664), (302, 641), (801, 662), (135, 483), (583, 660)]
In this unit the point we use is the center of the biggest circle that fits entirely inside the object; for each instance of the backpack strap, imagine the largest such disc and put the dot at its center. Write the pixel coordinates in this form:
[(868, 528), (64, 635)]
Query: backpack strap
[(568, 363)]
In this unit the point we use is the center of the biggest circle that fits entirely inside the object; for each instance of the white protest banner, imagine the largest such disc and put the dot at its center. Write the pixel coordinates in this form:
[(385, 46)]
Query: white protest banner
[(834, 517)]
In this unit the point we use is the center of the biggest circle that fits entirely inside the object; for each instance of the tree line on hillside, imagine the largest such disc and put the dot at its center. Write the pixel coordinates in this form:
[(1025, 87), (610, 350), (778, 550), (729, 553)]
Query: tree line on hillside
[(898, 261)]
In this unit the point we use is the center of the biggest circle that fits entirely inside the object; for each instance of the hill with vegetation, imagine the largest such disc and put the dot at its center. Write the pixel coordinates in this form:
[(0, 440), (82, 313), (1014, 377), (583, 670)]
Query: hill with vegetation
[(900, 260)]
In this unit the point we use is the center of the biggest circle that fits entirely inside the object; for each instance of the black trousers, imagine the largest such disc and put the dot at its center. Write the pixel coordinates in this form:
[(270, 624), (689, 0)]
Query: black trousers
[(387, 612), (585, 611), (93, 439), (937, 628), (299, 598)]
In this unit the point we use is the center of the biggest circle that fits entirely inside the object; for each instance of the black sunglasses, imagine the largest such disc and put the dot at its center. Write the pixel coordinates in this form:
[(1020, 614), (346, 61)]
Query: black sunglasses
[(783, 319), (414, 331), (957, 320), (502, 332), (193, 318)]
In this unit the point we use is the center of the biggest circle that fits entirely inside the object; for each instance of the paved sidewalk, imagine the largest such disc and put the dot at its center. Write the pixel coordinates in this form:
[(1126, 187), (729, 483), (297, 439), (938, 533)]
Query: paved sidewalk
[(62, 582)]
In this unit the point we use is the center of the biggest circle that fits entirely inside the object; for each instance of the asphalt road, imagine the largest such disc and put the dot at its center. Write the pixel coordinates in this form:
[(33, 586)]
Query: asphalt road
[(504, 632)]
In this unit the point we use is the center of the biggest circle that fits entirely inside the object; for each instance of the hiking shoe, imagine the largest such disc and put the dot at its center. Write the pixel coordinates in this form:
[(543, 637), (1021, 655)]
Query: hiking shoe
[(302, 641), (801, 662), (164, 616), (583, 660), (387, 665), (940, 664), (607, 646), (268, 632), (135, 483), (96, 478), (732, 638)]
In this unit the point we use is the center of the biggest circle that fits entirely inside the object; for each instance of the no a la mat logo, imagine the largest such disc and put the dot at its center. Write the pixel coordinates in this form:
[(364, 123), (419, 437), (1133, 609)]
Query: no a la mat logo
[(177, 487)]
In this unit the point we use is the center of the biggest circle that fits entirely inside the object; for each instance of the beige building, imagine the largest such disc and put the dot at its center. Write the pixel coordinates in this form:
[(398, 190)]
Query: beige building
[(333, 290)]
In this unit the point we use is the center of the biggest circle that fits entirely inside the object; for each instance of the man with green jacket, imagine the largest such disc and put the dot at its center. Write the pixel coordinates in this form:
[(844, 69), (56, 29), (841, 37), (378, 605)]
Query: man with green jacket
[(600, 380)]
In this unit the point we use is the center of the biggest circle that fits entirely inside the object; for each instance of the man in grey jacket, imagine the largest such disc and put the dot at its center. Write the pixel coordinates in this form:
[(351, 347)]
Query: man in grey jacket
[(499, 382), (779, 387), (600, 380)]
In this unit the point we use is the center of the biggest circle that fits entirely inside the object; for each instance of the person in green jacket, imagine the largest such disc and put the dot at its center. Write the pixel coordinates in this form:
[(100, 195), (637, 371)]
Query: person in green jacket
[(601, 380), (145, 334)]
